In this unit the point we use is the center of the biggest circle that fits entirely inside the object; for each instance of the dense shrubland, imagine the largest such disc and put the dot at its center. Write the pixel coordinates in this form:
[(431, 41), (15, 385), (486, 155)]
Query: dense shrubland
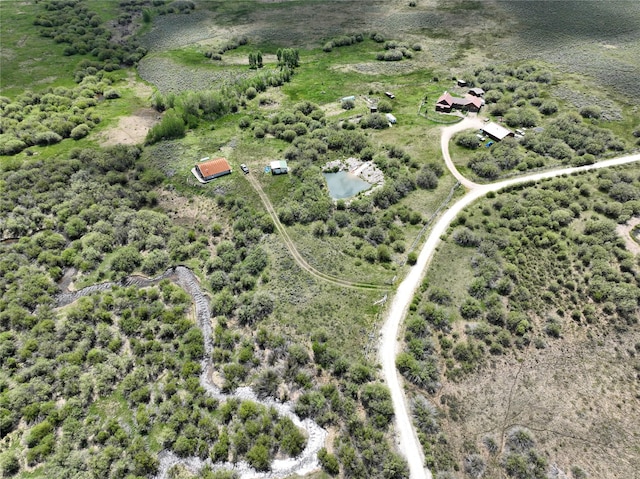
[(48, 117), (130, 349), (520, 95), (545, 259), (134, 351)]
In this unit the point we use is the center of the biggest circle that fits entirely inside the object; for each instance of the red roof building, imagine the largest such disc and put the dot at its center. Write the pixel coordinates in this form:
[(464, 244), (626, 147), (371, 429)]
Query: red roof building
[(213, 169), (446, 103)]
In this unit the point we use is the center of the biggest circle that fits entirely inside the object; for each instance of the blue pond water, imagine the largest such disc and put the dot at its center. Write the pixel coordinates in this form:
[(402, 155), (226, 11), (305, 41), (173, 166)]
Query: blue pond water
[(344, 184)]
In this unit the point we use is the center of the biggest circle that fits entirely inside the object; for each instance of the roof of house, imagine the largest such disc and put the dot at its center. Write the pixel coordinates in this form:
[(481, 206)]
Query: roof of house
[(278, 164), (476, 91), (445, 99), (468, 100), (496, 131), (213, 167)]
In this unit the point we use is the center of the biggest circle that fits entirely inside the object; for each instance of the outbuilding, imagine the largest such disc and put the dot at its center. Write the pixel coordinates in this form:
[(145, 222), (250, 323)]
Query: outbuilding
[(212, 169), (392, 119), (462, 83), (476, 91), (496, 132), (279, 167)]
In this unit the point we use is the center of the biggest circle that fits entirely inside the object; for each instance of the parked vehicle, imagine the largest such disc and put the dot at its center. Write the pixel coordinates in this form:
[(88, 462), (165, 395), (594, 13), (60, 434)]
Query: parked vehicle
[(244, 168)]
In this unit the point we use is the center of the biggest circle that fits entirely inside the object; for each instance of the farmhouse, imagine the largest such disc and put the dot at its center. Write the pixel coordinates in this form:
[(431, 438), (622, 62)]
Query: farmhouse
[(279, 167), (447, 102), (496, 132), (211, 169)]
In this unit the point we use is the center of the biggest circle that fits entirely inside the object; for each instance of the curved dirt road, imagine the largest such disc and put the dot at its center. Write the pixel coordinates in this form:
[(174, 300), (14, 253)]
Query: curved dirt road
[(447, 132), (407, 439)]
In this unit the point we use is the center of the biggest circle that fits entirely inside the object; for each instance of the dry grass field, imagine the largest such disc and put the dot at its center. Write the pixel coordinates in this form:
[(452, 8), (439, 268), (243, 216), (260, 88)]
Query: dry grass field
[(579, 398)]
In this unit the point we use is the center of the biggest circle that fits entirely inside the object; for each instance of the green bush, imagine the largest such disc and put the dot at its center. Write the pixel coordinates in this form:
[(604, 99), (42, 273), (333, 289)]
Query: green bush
[(328, 462), (171, 127), (80, 131)]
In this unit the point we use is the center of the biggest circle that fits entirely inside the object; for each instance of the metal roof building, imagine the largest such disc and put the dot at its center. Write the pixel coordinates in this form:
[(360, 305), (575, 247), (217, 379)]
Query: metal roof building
[(279, 167), (496, 132)]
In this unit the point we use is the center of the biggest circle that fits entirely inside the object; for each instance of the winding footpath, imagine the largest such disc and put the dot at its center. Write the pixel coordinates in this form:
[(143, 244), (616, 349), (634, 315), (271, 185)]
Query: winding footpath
[(306, 462), (335, 280), (390, 346)]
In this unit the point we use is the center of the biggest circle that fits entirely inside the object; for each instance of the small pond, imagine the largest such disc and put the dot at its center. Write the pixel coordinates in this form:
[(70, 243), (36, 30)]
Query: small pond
[(344, 184)]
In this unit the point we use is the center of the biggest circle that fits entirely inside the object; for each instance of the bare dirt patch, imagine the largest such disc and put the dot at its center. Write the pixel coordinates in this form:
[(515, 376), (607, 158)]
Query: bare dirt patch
[(133, 129), (625, 231)]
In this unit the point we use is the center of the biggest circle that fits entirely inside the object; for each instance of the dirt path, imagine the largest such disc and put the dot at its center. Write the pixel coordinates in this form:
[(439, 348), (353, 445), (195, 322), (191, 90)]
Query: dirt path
[(625, 231), (447, 132), (297, 256), (407, 439)]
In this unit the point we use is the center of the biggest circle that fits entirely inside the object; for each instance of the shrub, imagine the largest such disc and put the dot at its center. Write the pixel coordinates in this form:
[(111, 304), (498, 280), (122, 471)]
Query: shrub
[(467, 140), (111, 94), (251, 93), (548, 107), (47, 138), (385, 106), (376, 37), (329, 462), (392, 55), (80, 131), (412, 258), (375, 121), (171, 127), (348, 105), (591, 111), (11, 146), (9, 465), (465, 237), (427, 179)]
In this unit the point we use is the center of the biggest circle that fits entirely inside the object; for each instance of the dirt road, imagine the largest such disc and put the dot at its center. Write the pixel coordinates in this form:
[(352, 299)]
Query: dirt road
[(466, 124), (407, 439), (296, 254)]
